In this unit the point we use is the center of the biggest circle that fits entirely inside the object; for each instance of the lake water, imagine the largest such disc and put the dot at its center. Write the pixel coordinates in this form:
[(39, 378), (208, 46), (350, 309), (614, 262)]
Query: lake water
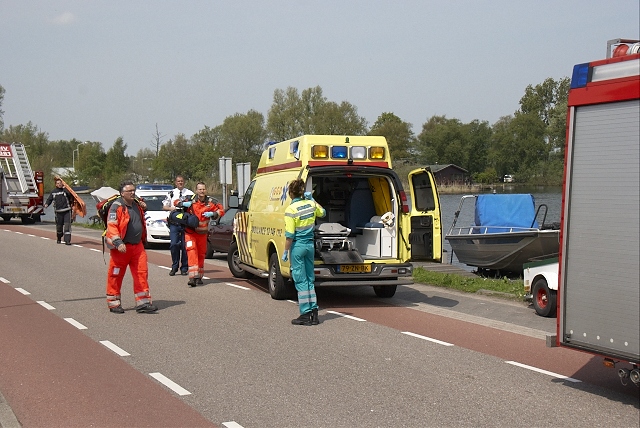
[(552, 197)]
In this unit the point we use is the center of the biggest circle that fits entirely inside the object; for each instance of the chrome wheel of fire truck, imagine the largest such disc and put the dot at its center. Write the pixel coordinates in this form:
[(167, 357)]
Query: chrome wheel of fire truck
[(544, 299), (233, 259), (385, 290)]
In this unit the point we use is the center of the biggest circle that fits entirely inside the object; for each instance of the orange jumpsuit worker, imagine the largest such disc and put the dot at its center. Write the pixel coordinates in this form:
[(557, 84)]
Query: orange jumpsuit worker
[(125, 237), (205, 208)]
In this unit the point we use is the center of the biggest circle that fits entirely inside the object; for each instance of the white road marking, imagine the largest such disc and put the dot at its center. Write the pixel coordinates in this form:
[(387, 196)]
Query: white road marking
[(6, 281), (205, 277), (75, 323), (430, 339), (346, 316), (237, 286), (535, 369), (44, 237), (33, 236), (20, 233), (118, 350), (169, 384), (164, 267), (232, 424), (292, 301), (45, 304), (94, 249), (23, 291), (76, 245)]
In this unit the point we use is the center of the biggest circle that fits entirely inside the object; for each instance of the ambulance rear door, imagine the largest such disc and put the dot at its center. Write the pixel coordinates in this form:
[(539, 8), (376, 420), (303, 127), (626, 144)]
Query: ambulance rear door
[(421, 232)]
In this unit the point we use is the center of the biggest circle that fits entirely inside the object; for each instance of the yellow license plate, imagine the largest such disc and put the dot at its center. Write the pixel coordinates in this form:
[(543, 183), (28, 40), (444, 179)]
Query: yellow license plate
[(354, 268)]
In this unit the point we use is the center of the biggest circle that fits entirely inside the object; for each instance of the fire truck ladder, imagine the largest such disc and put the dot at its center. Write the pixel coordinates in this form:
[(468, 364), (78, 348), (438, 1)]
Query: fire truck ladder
[(22, 170)]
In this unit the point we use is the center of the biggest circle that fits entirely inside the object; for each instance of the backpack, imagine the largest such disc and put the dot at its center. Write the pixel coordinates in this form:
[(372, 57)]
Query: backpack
[(184, 219), (103, 208)]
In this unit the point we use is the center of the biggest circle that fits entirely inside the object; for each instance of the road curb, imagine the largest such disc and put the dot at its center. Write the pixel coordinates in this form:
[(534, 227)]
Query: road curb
[(7, 417)]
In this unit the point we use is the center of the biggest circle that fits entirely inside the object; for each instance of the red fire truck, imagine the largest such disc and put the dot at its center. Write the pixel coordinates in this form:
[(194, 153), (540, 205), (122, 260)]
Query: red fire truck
[(598, 287), (21, 190)]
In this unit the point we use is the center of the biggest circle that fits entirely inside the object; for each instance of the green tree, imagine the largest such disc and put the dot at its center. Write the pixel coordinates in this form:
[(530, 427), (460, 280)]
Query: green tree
[(242, 137), (398, 133), (116, 163), (91, 164), (292, 115)]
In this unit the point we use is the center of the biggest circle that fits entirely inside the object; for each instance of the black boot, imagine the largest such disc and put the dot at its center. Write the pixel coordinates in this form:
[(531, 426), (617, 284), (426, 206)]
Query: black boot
[(304, 319), (314, 317)]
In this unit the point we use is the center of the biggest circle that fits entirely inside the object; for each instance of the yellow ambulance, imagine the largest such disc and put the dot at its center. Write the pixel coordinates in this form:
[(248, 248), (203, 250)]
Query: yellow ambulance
[(372, 229)]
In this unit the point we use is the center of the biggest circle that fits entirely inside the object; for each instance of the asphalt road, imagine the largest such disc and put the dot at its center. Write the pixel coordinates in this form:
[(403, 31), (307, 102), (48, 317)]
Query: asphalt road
[(225, 354)]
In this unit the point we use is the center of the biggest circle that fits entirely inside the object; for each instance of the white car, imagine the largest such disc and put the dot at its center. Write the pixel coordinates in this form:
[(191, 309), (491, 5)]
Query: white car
[(155, 217)]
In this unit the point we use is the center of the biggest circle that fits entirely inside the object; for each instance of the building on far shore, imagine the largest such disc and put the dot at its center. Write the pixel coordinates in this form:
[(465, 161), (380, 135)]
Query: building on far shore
[(450, 175)]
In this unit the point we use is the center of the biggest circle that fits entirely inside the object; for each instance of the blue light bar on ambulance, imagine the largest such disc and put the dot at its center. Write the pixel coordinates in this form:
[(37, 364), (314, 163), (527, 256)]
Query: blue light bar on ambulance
[(338, 152), (358, 152)]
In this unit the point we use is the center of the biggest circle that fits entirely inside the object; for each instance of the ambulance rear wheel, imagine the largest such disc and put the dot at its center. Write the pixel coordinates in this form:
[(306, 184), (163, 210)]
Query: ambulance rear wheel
[(385, 290), (277, 284), (233, 260)]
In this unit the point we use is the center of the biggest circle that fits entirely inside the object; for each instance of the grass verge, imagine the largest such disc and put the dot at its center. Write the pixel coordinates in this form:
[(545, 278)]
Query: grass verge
[(504, 287)]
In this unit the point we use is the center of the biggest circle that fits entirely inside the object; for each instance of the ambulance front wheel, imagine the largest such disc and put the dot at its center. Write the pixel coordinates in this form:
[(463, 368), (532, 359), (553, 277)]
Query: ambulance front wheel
[(385, 290), (233, 260), (279, 287)]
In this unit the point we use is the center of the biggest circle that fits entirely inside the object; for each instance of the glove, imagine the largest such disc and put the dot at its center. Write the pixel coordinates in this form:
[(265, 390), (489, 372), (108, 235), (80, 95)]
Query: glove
[(308, 196), (186, 204), (285, 255), (209, 214)]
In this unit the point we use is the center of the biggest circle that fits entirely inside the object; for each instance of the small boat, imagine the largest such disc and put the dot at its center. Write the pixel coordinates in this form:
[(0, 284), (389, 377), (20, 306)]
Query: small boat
[(505, 233)]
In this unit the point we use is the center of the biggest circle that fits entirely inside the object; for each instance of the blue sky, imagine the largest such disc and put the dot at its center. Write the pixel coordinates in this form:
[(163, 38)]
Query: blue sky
[(102, 69)]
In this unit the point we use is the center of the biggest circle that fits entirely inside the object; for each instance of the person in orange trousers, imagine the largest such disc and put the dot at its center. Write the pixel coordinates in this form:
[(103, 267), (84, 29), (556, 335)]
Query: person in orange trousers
[(125, 236), (205, 208)]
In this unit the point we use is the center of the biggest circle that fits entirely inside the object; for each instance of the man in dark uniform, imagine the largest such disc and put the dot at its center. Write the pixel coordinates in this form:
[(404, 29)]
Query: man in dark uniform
[(61, 199)]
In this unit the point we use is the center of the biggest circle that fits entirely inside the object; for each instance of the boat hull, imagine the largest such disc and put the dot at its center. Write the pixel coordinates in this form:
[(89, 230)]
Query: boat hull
[(504, 251)]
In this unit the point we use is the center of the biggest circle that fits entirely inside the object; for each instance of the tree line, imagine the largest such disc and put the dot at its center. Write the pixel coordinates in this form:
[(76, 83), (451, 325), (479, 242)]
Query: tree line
[(528, 144)]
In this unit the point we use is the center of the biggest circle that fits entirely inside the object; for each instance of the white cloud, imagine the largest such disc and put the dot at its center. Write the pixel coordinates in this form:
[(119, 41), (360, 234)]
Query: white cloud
[(65, 18)]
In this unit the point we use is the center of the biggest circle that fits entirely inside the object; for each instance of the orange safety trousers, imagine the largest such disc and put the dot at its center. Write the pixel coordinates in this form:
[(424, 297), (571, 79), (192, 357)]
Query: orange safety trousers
[(136, 259), (196, 244)]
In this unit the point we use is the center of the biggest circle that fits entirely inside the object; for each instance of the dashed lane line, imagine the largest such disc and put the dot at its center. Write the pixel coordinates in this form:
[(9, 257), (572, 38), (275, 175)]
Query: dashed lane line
[(115, 348), (45, 305), (231, 424), (22, 290), (351, 317), (535, 369), (430, 339), (230, 284), (75, 323), (5, 280), (169, 384)]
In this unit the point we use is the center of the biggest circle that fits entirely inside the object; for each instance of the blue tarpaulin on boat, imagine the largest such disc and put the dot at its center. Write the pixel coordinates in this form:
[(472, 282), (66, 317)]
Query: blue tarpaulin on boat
[(505, 210)]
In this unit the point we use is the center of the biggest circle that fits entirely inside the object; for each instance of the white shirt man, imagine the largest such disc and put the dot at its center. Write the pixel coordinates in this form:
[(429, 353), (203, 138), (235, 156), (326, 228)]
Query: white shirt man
[(176, 232)]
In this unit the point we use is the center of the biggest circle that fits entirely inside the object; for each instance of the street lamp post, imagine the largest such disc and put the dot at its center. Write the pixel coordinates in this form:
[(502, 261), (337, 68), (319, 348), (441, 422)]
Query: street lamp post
[(73, 156)]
